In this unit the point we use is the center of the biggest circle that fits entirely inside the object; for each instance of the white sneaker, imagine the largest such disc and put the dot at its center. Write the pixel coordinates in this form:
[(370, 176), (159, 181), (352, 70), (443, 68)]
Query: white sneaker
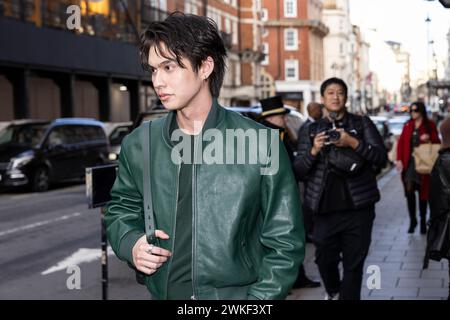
[(332, 297)]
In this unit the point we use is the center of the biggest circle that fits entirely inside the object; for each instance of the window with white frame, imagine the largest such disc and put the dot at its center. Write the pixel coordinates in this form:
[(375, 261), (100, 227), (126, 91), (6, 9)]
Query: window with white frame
[(291, 70), (290, 8), (227, 25), (235, 33), (264, 14), (291, 39), (265, 46), (258, 5), (187, 7), (160, 4), (264, 32)]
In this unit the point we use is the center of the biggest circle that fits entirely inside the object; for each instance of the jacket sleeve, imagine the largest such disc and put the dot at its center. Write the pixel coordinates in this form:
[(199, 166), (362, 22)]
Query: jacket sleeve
[(435, 193), (371, 148), (439, 200), (124, 215), (304, 161), (282, 233)]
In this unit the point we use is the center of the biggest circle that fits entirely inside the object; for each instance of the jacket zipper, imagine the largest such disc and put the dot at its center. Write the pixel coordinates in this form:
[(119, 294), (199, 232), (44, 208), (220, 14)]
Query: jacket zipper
[(194, 220), (174, 229)]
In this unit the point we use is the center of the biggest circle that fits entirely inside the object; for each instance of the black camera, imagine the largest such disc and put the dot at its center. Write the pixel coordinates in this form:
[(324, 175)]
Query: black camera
[(332, 135)]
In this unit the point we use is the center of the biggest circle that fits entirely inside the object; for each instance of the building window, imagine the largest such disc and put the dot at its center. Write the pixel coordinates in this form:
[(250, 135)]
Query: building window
[(187, 7), (264, 32), (160, 4), (290, 8), (264, 14), (290, 39), (265, 62), (227, 25), (235, 39), (291, 70), (258, 5)]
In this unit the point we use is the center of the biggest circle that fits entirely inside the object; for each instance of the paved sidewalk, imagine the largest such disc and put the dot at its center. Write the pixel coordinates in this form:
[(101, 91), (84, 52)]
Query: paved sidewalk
[(398, 255)]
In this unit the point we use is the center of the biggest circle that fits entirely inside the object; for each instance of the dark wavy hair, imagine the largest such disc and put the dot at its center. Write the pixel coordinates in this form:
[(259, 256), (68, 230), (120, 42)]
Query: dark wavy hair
[(421, 108), (331, 81), (187, 36)]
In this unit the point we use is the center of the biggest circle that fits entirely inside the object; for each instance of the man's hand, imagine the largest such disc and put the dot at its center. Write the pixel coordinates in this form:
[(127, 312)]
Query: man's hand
[(346, 140), (319, 141), (146, 257)]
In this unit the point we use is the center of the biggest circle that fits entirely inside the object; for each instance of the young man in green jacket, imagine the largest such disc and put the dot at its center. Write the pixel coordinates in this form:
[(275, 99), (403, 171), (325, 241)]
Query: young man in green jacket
[(225, 228)]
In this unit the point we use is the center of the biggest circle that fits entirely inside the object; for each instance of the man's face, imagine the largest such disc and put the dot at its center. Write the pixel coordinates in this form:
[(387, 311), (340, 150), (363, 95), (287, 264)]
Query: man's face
[(316, 112), (334, 98), (175, 86), (277, 120)]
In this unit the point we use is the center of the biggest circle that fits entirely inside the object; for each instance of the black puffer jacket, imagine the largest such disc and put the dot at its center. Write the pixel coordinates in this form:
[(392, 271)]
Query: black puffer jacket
[(314, 171), (439, 200)]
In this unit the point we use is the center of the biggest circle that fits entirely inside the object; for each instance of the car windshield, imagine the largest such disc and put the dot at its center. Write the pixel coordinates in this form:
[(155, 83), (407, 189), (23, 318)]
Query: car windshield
[(118, 134), (396, 125), (28, 135), (379, 126)]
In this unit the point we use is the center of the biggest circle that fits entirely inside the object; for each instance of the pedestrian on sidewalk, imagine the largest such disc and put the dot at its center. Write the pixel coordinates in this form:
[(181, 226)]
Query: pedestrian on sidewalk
[(315, 113), (224, 230), (337, 159), (440, 201), (273, 116), (418, 130)]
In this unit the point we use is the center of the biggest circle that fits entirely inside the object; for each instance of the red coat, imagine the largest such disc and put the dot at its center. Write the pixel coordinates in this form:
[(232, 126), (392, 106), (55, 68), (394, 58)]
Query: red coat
[(404, 150)]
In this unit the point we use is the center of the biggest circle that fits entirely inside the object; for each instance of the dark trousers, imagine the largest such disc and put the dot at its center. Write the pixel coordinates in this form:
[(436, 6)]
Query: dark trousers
[(410, 192), (343, 236)]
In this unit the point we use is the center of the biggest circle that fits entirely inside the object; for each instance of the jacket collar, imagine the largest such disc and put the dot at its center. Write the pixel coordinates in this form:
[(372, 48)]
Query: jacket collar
[(215, 117)]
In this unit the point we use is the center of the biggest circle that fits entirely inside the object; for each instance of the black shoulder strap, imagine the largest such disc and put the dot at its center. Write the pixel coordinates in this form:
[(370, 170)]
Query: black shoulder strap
[(146, 183)]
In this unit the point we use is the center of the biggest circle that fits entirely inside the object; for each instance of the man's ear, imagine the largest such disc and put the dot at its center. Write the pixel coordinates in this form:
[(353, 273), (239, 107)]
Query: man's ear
[(206, 68)]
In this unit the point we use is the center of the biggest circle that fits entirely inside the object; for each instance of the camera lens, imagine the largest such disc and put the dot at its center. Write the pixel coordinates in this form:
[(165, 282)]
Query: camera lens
[(334, 135)]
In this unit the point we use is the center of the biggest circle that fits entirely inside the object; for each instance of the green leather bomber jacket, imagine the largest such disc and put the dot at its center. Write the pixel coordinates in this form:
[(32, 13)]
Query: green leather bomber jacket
[(247, 229)]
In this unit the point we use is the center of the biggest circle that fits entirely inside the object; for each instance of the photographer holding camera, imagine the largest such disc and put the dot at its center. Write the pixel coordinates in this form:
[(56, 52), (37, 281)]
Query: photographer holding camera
[(338, 158)]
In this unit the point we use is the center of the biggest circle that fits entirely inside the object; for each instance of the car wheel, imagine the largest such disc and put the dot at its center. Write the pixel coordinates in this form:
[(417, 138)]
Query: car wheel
[(41, 181)]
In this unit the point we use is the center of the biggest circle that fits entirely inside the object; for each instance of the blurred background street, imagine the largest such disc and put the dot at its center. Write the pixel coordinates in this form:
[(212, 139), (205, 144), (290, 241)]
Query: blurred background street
[(72, 87)]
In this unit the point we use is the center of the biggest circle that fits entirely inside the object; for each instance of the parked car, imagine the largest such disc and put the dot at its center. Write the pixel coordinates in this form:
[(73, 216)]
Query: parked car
[(396, 124), (38, 153), (4, 124), (149, 115), (116, 131), (382, 124)]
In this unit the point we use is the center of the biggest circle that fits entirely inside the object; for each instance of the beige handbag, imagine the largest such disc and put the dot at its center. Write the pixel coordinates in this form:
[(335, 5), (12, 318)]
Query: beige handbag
[(425, 156)]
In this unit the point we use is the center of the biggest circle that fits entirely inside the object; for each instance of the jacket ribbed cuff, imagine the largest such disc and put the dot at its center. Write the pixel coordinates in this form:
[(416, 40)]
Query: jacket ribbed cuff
[(127, 243), (359, 150)]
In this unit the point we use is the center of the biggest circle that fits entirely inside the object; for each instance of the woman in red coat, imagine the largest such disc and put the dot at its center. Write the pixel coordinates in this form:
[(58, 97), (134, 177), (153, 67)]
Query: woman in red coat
[(416, 131)]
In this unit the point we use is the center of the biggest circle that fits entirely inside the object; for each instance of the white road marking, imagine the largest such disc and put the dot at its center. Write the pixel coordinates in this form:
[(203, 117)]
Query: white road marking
[(39, 224), (83, 255)]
